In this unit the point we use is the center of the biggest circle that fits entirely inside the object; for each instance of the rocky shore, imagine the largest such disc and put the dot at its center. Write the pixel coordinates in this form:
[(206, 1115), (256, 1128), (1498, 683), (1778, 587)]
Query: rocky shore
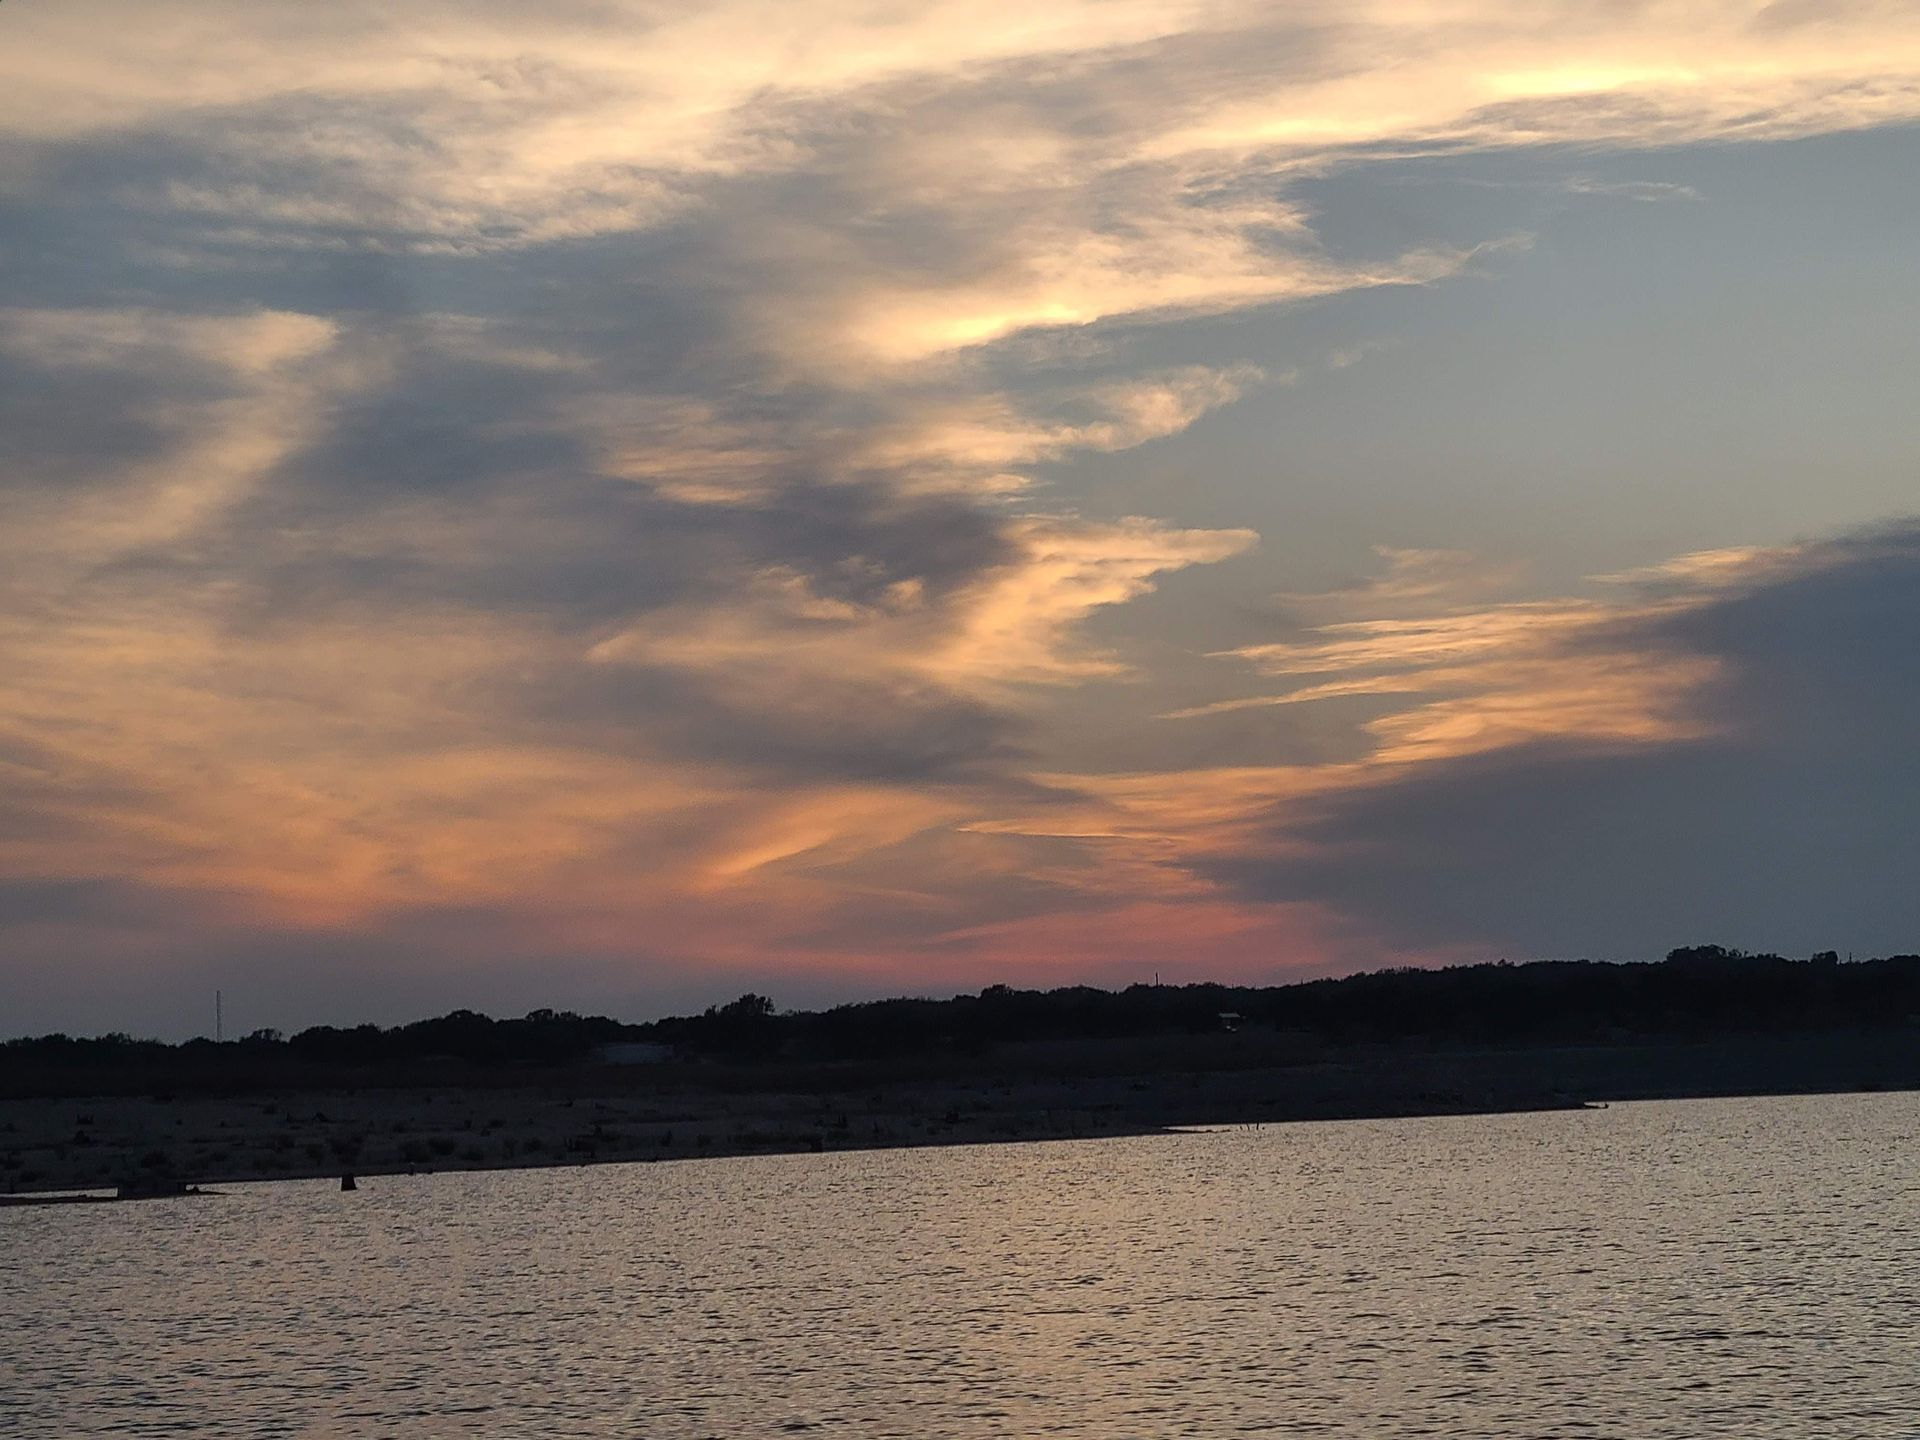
[(602, 1114)]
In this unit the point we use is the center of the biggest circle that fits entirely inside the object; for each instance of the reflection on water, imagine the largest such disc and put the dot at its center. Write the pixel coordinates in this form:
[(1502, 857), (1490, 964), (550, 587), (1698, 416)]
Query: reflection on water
[(1738, 1268)]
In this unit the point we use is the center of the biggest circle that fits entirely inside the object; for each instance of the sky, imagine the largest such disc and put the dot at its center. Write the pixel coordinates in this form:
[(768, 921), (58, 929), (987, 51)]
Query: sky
[(610, 504)]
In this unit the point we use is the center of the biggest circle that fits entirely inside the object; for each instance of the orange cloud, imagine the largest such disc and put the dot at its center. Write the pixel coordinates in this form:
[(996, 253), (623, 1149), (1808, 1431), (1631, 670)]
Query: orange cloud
[(1460, 680), (1014, 624)]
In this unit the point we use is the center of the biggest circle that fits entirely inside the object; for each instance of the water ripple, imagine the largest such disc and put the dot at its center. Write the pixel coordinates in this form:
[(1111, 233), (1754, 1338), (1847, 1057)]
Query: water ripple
[(1675, 1270)]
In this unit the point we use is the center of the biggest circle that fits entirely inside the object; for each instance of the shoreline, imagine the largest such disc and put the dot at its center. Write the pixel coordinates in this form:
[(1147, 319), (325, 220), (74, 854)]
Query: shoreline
[(73, 1144), (16, 1199)]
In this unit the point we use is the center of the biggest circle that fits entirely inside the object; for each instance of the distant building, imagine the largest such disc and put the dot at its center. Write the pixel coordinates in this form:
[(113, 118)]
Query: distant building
[(1231, 1019), (631, 1052)]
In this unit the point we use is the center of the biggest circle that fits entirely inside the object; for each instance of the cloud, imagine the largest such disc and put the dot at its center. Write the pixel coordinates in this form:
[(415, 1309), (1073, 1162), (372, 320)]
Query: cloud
[(592, 467), (1011, 624), (872, 190), (363, 630), (1712, 746)]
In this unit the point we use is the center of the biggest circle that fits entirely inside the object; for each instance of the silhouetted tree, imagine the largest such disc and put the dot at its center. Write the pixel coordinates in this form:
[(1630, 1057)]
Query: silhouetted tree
[(1697, 991)]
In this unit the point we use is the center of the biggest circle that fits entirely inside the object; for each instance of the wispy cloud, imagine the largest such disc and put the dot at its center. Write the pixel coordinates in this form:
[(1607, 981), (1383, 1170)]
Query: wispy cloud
[(589, 465), (1678, 669)]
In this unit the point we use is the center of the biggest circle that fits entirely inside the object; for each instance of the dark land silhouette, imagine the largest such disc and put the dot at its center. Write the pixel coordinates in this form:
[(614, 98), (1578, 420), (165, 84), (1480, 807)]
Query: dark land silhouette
[(464, 1091)]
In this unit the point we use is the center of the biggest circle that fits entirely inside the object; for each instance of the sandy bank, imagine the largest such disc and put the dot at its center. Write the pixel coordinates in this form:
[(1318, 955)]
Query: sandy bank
[(593, 1116)]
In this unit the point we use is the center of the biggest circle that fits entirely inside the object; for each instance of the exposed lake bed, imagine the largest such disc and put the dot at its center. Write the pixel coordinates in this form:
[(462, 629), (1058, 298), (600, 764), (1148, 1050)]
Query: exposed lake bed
[(587, 1115)]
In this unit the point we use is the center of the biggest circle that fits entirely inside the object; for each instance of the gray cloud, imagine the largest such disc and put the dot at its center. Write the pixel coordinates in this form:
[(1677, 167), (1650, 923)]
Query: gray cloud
[(1791, 826)]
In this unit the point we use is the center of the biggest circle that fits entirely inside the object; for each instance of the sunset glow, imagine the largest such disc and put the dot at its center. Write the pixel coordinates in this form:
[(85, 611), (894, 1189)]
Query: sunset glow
[(609, 504)]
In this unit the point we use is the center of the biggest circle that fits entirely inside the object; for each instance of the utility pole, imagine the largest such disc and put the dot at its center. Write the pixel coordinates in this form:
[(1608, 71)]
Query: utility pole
[(219, 1024)]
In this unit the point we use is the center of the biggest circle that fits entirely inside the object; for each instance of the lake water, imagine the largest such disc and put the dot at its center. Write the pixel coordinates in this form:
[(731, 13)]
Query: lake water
[(1742, 1268)]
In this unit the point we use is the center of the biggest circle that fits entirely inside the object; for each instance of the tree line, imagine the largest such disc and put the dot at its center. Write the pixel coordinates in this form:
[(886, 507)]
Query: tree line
[(1696, 992)]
